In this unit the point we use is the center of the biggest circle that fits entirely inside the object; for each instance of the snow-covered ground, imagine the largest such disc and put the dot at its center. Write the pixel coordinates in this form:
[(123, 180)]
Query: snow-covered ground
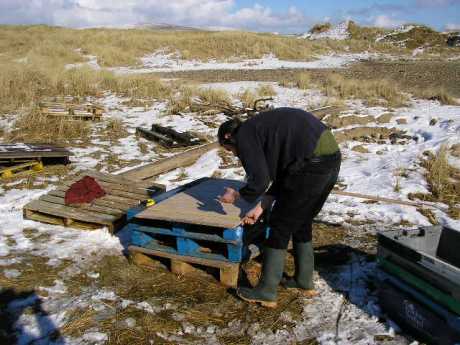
[(337, 32), (370, 173), (161, 61)]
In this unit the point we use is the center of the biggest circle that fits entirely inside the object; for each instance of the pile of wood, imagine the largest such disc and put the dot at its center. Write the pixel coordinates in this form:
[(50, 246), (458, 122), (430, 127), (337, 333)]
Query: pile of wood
[(205, 108), (71, 108)]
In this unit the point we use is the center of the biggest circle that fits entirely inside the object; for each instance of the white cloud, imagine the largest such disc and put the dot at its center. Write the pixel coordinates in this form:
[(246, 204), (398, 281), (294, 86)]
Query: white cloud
[(84, 13), (384, 21), (429, 3), (453, 27)]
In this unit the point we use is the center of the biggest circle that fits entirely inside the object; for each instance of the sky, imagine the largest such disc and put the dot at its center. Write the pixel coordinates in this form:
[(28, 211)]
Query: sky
[(287, 16)]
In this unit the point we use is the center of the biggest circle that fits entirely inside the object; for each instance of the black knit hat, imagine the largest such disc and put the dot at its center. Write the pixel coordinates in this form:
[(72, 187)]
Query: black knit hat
[(228, 127)]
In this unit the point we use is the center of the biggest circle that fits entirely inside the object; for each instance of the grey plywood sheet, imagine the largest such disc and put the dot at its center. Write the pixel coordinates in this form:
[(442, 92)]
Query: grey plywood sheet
[(200, 205)]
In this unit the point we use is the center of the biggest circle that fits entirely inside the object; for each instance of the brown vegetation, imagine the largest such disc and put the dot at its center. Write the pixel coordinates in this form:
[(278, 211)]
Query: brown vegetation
[(443, 181), (34, 127), (373, 91)]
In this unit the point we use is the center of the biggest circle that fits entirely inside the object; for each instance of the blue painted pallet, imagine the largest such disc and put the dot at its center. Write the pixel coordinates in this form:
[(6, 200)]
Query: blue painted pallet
[(178, 240), (212, 243)]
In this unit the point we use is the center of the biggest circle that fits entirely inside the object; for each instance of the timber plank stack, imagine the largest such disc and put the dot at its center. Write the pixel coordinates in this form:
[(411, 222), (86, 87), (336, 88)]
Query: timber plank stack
[(71, 108), (108, 211)]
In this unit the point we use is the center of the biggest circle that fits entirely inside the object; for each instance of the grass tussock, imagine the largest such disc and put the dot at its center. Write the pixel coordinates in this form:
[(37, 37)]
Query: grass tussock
[(440, 94), (321, 27), (441, 177), (443, 181), (33, 127), (373, 91), (266, 90), (248, 98), (213, 96), (115, 129), (303, 81), (182, 100)]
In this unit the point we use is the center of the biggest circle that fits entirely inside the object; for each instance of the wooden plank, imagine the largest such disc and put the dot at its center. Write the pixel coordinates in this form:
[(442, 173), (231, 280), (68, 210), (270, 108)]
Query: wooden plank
[(199, 205), (23, 151), (49, 219), (69, 212), (89, 207), (122, 202), (115, 197), (189, 259), (115, 192), (122, 179), (141, 193), (180, 160)]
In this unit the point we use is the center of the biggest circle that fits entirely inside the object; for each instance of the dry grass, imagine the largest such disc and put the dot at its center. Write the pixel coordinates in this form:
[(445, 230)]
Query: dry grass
[(266, 90), (34, 127), (303, 81), (321, 27), (372, 91), (247, 98), (22, 85), (182, 99), (440, 176), (115, 129), (441, 95), (214, 96), (123, 47), (443, 181)]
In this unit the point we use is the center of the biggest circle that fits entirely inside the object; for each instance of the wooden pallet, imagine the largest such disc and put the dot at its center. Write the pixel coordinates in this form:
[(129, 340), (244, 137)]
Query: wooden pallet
[(24, 168), (71, 111), (108, 211), (182, 265), (20, 152)]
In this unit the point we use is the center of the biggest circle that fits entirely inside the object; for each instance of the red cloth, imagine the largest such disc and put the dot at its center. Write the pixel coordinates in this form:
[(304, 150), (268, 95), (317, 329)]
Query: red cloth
[(83, 191)]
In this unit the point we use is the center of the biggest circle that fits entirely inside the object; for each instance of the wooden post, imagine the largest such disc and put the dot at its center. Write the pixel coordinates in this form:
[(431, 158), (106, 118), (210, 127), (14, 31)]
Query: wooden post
[(229, 275), (180, 267)]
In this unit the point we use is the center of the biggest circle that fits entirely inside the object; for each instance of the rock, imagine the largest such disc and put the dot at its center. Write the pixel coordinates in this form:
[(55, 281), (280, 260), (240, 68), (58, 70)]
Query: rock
[(360, 149), (385, 118), (433, 121), (401, 121)]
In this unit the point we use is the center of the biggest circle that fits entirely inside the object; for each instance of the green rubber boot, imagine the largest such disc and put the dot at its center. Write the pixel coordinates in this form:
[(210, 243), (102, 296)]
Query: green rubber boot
[(304, 265), (272, 271)]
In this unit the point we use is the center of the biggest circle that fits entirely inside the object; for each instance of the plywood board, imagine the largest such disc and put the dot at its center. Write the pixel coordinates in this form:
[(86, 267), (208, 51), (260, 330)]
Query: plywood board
[(200, 205)]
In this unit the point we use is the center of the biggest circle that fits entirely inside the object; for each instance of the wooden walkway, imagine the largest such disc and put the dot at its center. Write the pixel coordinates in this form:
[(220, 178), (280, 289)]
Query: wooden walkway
[(109, 210)]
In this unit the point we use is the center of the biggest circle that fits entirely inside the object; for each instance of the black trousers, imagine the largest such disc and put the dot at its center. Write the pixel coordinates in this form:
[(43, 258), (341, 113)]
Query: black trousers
[(301, 195)]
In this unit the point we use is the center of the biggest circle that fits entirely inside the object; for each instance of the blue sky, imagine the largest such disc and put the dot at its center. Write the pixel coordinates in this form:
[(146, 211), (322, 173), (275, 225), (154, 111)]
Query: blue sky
[(289, 16)]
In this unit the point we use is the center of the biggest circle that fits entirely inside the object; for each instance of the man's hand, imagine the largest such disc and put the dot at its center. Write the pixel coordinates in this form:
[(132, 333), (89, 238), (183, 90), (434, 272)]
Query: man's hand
[(230, 196), (252, 216)]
